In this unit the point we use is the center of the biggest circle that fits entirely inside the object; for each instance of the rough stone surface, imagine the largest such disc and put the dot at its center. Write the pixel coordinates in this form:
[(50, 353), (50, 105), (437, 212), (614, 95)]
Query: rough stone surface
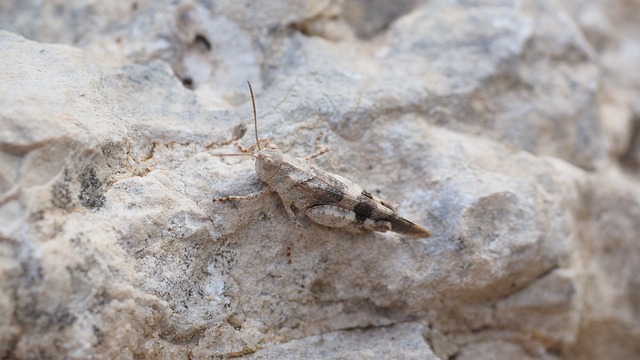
[(511, 129)]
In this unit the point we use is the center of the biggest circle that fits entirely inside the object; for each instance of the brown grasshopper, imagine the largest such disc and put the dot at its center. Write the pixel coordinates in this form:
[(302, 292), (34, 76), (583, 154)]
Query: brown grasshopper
[(327, 199)]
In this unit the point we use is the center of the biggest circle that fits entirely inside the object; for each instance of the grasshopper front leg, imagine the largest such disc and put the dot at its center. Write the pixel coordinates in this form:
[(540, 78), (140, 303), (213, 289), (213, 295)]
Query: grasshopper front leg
[(251, 148), (246, 197), (292, 216)]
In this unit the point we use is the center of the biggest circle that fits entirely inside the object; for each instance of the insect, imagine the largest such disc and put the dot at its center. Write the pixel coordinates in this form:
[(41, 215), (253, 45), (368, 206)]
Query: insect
[(325, 198)]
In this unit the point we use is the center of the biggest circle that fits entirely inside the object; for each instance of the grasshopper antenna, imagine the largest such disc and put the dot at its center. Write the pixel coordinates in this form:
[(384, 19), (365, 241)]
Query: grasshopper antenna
[(255, 116), (253, 156)]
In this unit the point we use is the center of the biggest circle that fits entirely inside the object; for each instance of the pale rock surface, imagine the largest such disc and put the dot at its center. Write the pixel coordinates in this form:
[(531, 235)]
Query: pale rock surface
[(508, 128)]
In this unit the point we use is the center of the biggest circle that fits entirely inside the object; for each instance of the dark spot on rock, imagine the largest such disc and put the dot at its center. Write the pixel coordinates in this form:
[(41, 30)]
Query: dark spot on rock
[(99, 334), (321, 288), (63, 318), (91, 195), (630, 159), (239, 131), (202, 40), (37, 216), (187, 82)]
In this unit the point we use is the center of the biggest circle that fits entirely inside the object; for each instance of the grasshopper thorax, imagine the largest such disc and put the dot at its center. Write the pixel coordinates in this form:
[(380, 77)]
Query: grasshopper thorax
[(268, 162)]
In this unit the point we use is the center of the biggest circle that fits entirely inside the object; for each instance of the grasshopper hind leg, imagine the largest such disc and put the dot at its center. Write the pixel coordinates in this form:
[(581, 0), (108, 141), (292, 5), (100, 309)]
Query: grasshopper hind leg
[(331, 216), (338, 217), (318, 152)]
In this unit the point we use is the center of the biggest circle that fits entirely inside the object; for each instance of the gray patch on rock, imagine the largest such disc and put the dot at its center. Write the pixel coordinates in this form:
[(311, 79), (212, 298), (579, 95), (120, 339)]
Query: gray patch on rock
[(61, 193), (91, 193)]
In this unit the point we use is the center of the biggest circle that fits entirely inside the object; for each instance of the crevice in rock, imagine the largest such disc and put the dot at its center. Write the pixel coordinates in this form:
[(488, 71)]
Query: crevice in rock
[(201, 40), (630, 159)]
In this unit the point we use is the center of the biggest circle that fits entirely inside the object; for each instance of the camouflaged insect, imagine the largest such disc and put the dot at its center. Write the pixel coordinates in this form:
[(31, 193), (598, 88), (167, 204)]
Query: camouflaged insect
[(327, 199)]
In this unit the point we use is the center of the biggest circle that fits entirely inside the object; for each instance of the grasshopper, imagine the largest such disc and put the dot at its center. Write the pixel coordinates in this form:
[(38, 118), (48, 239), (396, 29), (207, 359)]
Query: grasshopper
[(325, 198)]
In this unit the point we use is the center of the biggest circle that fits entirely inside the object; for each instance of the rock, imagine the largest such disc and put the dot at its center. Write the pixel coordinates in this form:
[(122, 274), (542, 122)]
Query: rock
[(398, 341), (508, 129)]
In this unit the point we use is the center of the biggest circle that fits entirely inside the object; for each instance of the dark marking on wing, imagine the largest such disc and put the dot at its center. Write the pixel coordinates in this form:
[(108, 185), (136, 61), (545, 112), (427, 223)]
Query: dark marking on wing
[(367, 194), (363, 209), (323, 192)]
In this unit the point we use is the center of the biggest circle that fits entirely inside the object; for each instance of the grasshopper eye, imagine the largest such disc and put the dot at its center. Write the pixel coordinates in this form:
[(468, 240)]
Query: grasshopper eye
[(269, 161)]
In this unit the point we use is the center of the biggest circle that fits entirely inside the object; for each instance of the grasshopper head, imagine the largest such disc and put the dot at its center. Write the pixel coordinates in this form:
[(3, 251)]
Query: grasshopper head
[(268, 162)]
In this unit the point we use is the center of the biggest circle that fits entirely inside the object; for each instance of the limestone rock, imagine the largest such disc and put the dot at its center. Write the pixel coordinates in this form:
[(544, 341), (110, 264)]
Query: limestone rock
[(509, 129)]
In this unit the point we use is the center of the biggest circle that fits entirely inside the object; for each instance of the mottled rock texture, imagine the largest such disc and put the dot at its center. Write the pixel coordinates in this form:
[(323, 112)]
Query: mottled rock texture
[(511, 129)]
